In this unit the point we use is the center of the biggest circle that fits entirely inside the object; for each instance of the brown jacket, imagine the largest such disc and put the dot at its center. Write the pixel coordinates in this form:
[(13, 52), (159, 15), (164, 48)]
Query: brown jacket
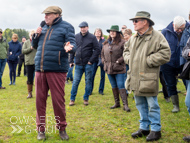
[(112, 53), (144, 55)]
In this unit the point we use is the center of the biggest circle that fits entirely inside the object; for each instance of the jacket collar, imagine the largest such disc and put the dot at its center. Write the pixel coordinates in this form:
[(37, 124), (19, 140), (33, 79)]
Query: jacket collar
[(85, 34), (146, 33)]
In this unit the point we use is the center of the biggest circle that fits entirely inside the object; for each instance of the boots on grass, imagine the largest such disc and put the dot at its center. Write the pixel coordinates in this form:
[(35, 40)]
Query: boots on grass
[(29, 90), (175, 101), (123, 95), (116, 98)]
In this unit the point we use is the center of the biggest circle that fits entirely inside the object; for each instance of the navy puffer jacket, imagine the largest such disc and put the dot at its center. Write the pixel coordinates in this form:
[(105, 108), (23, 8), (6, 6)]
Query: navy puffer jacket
[(51, 56), (14, 48), (172, 39)]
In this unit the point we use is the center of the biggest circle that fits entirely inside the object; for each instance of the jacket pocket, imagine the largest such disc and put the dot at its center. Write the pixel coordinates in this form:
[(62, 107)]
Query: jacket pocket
[(118, 67), (148, 83)]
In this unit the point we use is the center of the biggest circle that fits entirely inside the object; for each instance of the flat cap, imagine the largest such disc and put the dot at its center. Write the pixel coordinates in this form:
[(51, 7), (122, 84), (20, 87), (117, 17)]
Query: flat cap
[(53, 9), (1, 30), (83, 24)]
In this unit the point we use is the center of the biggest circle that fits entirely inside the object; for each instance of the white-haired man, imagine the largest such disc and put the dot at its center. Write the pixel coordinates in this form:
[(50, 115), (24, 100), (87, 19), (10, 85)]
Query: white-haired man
[(175, 35)]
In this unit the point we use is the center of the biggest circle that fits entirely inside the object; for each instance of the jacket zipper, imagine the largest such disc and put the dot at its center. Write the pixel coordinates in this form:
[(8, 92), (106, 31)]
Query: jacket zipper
[(42, 57), (50, 34)]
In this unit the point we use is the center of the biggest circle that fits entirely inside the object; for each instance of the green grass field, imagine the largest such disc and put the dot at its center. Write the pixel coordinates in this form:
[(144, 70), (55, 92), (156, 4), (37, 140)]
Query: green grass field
[(93, 123)]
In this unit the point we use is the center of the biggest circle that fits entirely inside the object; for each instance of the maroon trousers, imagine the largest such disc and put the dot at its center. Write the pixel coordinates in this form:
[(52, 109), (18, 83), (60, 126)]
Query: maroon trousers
[(56, 83)]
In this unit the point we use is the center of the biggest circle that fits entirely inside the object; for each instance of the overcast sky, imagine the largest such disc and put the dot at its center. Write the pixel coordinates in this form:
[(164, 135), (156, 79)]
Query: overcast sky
[(26, 14)]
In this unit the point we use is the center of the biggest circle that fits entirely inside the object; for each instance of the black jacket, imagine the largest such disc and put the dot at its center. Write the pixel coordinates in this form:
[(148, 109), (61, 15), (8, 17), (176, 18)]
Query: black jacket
[(87, 49)]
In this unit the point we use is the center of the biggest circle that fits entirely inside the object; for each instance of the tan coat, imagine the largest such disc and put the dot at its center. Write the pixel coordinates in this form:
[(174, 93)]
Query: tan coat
[(112, 53), (144, 55)]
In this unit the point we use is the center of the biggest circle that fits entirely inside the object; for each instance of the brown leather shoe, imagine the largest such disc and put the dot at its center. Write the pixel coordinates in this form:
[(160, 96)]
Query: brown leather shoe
[(72, 103), (41, 136), (2, 87), (86, 102), (63, 135)]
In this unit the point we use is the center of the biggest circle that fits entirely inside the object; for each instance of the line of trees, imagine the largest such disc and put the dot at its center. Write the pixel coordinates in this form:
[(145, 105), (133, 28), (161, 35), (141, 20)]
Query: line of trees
[(7, 33)]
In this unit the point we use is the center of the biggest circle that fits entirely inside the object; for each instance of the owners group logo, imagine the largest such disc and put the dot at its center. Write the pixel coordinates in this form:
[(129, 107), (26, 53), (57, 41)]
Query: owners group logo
[(28, 124)]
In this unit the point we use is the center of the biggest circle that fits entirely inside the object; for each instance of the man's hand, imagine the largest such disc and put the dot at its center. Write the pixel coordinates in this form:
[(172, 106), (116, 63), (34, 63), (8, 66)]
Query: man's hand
[(68, 47), (189, 54), (39, 31), (72, 64), (89, 63)]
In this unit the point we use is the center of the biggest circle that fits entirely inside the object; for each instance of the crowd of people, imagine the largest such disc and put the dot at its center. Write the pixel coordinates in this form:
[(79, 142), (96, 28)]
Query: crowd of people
[(133, 63)]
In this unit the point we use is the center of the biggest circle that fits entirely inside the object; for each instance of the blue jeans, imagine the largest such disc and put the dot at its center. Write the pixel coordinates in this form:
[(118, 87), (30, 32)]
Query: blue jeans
[(70, 73), (79, 70), (187, 98), (117, 80), (149, 112), (170, 74), (102, 80), (2, 67)]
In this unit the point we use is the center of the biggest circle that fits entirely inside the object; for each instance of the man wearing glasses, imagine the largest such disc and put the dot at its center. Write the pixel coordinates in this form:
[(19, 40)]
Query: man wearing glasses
[(177, 35), (145, 52)]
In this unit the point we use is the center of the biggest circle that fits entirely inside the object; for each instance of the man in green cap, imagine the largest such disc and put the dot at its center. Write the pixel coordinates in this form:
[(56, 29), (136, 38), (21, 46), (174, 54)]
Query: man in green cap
[(3, 56), (145, 52), (53, 42)]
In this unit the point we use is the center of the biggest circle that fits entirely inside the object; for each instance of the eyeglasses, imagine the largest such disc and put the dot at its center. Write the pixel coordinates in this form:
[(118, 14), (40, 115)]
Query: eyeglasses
[(177, 29), (123, 28), (137, 20)]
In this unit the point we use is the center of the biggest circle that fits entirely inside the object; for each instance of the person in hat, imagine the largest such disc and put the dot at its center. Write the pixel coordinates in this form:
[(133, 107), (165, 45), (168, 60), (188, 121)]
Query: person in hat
[(53, 42), (177, 34), (87, 52), (3, 55), (21, 60), (114, 66), (145, 52)]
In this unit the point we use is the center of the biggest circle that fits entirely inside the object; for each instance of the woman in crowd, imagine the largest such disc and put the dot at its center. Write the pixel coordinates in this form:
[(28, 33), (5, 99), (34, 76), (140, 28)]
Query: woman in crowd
[(99, 36), (29, 53), (14, 51), (114, 66), (127, 33)]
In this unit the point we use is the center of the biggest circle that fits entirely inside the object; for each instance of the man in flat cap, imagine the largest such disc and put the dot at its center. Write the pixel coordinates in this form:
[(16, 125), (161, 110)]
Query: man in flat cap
[(177, 34), (3, 56), (53, 42), (145, 52), (87, 53)]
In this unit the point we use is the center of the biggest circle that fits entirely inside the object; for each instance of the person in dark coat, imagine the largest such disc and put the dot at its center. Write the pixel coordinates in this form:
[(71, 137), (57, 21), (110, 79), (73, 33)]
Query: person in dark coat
[(14, 51), (53, 42), (99, 36), (87, 53), (21, 60), (173, 34), (114, 66)]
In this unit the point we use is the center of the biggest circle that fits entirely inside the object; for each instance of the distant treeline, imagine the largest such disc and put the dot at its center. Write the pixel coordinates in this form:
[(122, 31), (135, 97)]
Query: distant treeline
[(7, 33)]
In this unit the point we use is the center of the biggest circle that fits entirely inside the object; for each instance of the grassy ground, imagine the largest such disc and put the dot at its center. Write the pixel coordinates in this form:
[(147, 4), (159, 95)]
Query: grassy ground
[(93, 123)]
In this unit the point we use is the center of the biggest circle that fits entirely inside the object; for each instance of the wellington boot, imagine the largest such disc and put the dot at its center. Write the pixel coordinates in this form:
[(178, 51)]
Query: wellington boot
[(30, 86), (116, 98), (123, 95), (175, 101)]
